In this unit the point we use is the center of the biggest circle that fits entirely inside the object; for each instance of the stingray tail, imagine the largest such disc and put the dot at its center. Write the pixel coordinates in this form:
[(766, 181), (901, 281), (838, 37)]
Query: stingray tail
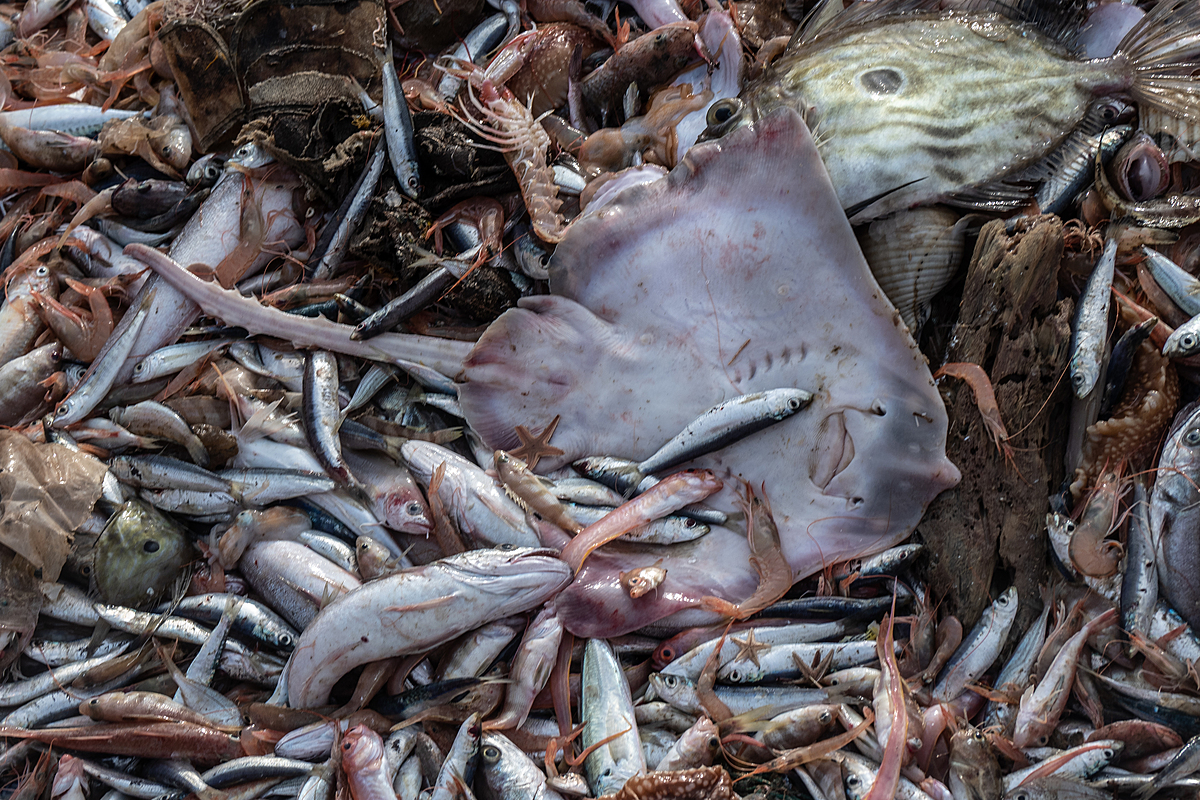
[(1161, 51)]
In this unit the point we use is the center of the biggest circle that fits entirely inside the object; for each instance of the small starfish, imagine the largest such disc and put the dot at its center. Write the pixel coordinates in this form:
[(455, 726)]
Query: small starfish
[(748, 648), (535, 448)]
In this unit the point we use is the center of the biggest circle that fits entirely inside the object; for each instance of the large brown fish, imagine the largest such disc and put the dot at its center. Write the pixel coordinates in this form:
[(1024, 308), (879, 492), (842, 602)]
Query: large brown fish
[(910, 105)]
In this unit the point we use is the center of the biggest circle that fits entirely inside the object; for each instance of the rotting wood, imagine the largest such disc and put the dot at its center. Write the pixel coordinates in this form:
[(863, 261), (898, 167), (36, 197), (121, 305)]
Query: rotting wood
[(1013, 325)]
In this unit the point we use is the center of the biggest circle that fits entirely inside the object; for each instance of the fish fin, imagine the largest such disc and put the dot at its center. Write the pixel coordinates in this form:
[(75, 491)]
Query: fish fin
[(1161, 51), (999, 195), (517, 499), (860, 14), (1059, 20), (862, 205), (262, 424)]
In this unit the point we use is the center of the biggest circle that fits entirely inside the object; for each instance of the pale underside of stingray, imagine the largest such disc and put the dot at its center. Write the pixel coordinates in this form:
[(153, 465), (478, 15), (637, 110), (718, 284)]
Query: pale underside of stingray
[(737, 272)]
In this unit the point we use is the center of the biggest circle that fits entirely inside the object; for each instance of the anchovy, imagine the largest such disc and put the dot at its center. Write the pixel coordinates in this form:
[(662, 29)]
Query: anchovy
[(481, 40), (77, 119), (1016, 672), (251, 618), (398, 130), (691, 663), (725, 424), (350, 217), (173, 358), (421, 295), (781, 662), (322, 413), (251, 768), (1139, 586), (1072, 160), (982, 647), (1091, 324)]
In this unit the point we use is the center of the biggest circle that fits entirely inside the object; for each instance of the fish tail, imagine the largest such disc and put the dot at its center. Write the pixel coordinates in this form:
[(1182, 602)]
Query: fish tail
[(1162, 51)]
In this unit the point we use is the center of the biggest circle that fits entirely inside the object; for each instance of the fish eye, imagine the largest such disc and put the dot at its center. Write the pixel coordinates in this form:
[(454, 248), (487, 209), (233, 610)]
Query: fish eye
[(507, 547), (414, 509), (1188, 340), (365, 546), (882, 81), (735, 676), (852, 781), (1041, 740), (285, 639), (794, 404), (1003, 599), (671, 682), (1021, 796), (714, 743), (667, 654), (413, 183), (42, 271), (1077, 379), (1192, 436), (491, 753), (825, 717), (85, 570), (62, 410), (150, 546), (723, 111)]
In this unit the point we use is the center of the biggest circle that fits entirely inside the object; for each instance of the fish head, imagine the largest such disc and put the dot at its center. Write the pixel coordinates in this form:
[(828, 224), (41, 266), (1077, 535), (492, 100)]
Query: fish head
[(362, 749), (138, 554)]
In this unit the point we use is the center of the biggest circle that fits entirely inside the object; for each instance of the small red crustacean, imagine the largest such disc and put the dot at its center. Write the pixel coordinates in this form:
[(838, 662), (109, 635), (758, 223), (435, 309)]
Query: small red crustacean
[(520, 137)]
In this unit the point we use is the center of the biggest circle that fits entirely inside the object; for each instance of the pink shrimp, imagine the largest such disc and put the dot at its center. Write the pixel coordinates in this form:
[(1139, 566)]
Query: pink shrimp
[(524, 144)]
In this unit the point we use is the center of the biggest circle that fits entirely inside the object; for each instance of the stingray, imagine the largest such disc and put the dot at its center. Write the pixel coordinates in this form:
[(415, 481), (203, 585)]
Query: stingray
[(736, 272)]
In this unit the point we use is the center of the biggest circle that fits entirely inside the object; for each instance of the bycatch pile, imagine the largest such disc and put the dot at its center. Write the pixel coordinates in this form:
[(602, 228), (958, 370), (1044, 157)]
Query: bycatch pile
[(523, 399)]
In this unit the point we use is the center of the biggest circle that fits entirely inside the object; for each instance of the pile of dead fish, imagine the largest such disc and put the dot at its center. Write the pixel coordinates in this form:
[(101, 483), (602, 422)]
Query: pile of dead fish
[(434, 399)]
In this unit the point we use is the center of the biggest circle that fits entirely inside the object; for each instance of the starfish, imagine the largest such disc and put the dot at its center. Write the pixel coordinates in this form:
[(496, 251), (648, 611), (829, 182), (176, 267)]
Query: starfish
[(748, 648), (535, 448)]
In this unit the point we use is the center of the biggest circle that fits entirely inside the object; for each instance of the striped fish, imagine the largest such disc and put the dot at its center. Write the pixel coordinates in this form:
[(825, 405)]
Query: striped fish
[(911, 105)]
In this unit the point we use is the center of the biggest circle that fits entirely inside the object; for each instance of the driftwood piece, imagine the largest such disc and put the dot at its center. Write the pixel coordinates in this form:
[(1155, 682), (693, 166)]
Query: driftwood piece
[(1011, 323)]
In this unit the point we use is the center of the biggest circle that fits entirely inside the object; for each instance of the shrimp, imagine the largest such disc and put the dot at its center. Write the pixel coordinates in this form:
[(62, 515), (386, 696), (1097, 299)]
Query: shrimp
[(1091, 552), (524, 144), (985, 399), (766, 556)]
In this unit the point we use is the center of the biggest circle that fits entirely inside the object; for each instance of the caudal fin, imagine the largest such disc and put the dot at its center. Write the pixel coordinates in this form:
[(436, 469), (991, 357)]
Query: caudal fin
[(1162, 51)]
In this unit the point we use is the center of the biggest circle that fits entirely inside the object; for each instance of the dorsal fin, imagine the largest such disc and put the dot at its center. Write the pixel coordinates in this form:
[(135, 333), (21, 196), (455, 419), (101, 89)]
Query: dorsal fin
[(1059, 20)]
